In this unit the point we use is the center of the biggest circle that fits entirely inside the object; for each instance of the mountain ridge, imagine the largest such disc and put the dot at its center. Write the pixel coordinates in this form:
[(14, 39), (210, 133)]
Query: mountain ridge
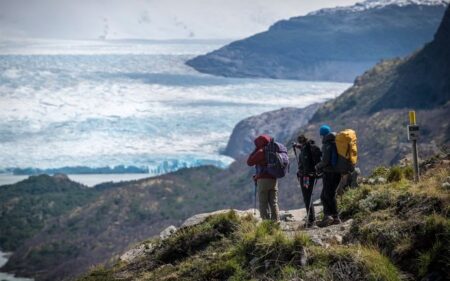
[(330, 47)]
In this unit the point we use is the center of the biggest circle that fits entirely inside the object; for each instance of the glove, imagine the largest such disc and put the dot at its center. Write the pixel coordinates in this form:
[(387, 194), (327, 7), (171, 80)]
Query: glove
[(318, 169)]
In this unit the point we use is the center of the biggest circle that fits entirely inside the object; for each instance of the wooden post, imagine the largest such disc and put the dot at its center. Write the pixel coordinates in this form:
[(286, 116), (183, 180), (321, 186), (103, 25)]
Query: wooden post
[(413, 135)]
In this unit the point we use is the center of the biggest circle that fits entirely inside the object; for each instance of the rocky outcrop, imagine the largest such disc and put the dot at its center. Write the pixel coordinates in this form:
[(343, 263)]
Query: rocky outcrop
[(280, 124), (333, 44)]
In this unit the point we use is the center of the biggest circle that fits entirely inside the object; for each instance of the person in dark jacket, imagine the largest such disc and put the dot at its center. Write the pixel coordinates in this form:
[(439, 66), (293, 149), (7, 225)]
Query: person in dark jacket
[(309, 155), (267, 184), (330, 178)]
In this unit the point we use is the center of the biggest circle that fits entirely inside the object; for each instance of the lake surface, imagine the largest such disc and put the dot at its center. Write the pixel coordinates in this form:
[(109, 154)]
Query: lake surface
[(6, 276), (102, 103)]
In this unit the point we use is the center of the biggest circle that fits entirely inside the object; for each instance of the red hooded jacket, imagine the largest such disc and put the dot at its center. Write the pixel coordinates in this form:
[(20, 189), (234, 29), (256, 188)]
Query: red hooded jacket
[(258, 158)]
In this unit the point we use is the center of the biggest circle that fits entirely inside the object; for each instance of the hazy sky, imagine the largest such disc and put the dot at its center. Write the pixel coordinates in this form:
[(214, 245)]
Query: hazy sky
[(150, 19)]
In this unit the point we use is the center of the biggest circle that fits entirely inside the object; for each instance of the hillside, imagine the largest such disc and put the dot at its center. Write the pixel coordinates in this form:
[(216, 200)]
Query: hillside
[(332, 44), (398, 231), (378, 102), (30, 205), (126, 213)]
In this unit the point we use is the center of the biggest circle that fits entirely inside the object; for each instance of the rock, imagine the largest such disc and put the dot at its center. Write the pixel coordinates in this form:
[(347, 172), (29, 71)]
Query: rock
[(337, 238), (304, 258), (199, 218), (286, 216), (317, 240), (446, 185), (380, 180), (267, 264), (166, 233), (371, 181), (139, 251)]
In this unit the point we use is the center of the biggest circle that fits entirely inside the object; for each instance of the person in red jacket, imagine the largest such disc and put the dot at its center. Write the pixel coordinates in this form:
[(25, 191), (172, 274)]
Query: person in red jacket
[(266, 183)]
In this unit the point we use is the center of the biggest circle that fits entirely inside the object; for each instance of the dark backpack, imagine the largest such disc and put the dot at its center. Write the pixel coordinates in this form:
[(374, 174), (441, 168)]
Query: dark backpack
[(310, 155), (316, 154), (277, 159)]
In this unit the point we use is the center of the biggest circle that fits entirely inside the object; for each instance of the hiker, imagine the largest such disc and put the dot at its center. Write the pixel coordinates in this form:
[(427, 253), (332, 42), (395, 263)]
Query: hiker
[(309, 156), (267, 184), (330, 178)]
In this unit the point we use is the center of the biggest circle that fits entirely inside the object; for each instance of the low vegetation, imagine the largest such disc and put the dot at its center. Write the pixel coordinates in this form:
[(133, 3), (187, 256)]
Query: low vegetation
[(407, 222), (400, 232)]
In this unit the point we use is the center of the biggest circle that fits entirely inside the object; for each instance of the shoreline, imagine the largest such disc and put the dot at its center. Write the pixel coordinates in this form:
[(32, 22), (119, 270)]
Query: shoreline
[(5, 276), (89, 180)]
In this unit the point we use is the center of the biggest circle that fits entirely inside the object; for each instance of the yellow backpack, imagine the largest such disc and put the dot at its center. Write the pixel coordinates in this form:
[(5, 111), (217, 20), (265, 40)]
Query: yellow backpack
[(346, 145)]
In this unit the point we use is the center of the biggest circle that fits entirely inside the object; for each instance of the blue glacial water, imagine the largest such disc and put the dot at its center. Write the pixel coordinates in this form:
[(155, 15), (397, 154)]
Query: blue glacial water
[(95, 104)]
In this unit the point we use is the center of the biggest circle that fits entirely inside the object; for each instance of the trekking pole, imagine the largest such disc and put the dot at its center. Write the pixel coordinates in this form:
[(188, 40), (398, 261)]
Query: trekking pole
[(295, 152), (254, 210), (296, 159), (310, 200)]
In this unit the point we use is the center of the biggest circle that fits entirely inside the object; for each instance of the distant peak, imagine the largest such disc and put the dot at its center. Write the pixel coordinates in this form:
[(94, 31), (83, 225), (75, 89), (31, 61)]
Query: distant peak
[(376, 4)]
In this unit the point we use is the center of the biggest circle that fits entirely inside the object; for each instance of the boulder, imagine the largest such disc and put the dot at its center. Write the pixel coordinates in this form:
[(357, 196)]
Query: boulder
[(199, 218), (136, 252), (166, 233)]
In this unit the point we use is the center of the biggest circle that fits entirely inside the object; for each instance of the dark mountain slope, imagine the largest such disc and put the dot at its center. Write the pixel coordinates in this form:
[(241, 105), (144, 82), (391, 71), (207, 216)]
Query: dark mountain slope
[(334, 44), (376, 106), (26, 207)]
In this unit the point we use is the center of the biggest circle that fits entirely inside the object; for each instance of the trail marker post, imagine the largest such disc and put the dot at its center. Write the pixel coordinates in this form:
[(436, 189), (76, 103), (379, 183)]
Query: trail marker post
[(413, 135)]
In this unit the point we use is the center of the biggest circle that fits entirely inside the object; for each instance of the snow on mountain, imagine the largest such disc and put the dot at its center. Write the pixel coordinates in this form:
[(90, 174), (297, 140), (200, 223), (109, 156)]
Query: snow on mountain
[(377, 4)]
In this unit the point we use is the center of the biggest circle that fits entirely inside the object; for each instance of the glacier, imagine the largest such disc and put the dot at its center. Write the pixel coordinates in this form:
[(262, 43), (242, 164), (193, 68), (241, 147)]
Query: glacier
[(99, 104)]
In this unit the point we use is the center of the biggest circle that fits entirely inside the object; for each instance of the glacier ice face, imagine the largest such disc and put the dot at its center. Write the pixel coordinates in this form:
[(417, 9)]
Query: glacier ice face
[(128, 109)]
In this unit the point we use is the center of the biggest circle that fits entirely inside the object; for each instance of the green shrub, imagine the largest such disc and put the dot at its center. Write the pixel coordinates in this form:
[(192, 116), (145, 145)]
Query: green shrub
[(395, 174), (408, 173), (380, 171), (349, 202)]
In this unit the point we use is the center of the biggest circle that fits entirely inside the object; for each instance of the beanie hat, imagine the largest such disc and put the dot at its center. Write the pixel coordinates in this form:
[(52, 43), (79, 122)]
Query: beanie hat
[(325, 130)]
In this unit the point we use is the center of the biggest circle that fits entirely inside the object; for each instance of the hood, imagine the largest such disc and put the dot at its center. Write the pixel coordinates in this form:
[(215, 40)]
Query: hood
[(262, 141), (331, 137)]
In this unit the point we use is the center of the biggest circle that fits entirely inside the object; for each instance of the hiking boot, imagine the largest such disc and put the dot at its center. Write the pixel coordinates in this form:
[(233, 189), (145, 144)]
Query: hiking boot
[(327, 220), (310, 224), (336, 220)]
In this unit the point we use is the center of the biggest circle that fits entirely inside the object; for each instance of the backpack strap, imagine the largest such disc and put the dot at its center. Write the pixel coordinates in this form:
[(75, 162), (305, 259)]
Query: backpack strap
[(347, 154)]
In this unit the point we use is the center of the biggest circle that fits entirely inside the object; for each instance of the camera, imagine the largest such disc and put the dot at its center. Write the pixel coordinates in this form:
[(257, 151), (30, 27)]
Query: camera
[(296, 145)]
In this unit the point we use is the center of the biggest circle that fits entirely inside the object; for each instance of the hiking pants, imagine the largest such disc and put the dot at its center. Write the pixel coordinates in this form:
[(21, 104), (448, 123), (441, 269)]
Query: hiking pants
[(328, 197), (268, 199), (307, 190)]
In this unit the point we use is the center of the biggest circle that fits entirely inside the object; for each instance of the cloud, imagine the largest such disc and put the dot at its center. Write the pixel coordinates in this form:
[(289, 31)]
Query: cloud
[(151, 19)]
